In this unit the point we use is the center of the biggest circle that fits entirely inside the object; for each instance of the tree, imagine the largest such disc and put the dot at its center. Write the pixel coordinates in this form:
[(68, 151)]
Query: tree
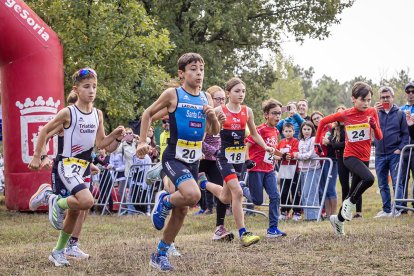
[(287, 86), (229, 34), (324, 96), (258, 82), (120, 41)]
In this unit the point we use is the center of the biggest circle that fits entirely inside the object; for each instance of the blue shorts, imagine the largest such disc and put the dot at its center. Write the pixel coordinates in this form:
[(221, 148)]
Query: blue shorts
[(178, 171)]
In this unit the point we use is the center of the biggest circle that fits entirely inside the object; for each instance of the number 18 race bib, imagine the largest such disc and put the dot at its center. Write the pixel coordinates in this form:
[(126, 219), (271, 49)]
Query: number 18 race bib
[(72, 166), (188, 151), (235, 155), (360, 132)]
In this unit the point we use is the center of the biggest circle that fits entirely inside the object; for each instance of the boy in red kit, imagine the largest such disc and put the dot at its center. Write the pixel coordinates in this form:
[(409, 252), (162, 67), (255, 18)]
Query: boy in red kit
[(288, 174), (263, 174), (360, 122)]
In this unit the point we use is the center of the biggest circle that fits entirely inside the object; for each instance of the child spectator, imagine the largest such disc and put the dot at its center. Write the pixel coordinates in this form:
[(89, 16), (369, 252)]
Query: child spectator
[(288, 174), (310, 170)]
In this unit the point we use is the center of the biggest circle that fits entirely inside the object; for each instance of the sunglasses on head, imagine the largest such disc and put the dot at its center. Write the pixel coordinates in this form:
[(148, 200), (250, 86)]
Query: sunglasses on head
[(85, 71)]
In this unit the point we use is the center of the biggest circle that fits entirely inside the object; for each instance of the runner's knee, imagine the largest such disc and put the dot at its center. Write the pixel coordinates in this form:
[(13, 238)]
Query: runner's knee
[(192, 197)]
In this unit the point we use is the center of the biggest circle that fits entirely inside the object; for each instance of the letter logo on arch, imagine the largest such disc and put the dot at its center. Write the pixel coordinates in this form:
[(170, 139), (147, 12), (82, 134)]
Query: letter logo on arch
[(33, 116)]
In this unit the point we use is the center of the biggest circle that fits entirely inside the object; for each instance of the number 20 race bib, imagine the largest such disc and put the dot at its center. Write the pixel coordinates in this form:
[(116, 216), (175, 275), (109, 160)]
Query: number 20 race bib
[(356, 133), (72, 166), (188, 151)]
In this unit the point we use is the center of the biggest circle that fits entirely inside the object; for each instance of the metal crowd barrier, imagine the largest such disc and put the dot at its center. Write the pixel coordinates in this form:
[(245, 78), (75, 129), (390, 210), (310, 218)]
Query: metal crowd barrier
[(104, 195), (290, 179), (139, 195), (401, 198)]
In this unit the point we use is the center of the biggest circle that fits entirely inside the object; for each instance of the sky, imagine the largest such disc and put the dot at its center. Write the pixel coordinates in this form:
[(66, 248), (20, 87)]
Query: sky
[(375, 39)]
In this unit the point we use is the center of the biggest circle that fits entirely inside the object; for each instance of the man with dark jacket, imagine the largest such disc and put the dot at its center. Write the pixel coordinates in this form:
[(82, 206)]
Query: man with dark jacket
[(387, 151)]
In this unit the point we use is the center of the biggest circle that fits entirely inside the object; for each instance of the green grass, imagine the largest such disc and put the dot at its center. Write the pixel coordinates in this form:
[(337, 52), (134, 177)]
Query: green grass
[(122, 245)]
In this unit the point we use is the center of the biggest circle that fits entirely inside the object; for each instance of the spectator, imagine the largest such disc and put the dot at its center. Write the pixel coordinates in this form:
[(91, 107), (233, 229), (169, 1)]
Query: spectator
[(387, 151), (128, 148), (165, 134), (294, 118), (407, 158), (331, 198), (289, 175), (105, 178), (208, 165), (310, 170), (302, 107), (153, 152), (139, 190), (116, 163)]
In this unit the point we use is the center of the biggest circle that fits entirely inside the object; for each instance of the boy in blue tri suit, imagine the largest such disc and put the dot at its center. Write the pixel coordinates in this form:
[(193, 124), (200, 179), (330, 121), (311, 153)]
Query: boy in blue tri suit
[(191, 115)]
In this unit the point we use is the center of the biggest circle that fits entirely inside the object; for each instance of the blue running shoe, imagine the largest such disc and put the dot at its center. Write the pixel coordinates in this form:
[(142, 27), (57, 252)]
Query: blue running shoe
[(160, 212), (160, 262), (274, 232)]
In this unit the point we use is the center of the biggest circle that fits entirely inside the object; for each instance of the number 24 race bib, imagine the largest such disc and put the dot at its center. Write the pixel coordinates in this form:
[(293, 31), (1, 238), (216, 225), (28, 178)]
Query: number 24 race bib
[(360, 132), (72, 166)]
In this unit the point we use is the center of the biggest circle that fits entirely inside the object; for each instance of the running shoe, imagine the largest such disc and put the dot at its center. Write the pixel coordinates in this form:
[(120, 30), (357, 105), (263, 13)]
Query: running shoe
[(337, 225), (58, 258), (221, 234), (274, 232), (153, 173), (74, 252), (160, 212), (347, 208), (382, 214), (160, 262), (199, 212), (56, 214), (172, 251), (40, 198), (201, 178), (248, 238)]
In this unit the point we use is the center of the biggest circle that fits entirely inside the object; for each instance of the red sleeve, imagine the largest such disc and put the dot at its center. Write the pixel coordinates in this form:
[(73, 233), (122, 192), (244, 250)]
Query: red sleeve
[(295, 145), (326, 120), (377, 131)]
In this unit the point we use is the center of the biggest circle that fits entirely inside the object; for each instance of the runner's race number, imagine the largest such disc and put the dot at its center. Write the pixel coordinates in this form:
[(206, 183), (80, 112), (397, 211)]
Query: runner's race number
[(74, 166), (235, 155), (188, 151), (356, 133)]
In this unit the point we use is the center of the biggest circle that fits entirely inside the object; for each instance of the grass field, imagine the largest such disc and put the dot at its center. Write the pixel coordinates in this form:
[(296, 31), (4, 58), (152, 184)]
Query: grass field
[(122, 246)]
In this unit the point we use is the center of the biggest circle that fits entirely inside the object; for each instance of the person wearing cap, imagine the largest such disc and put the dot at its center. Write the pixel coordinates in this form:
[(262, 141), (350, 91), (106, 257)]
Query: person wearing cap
[(388, 149), (408, 109), (165, 134), (409, 90)]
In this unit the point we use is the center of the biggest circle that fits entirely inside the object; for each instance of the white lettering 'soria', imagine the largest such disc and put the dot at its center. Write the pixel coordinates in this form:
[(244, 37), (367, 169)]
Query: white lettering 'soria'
[(25, 14)]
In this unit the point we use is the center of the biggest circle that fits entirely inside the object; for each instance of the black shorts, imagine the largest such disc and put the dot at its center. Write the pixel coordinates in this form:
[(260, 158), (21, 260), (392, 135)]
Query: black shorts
[(226, 168), (59, 187), (178, 171)]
